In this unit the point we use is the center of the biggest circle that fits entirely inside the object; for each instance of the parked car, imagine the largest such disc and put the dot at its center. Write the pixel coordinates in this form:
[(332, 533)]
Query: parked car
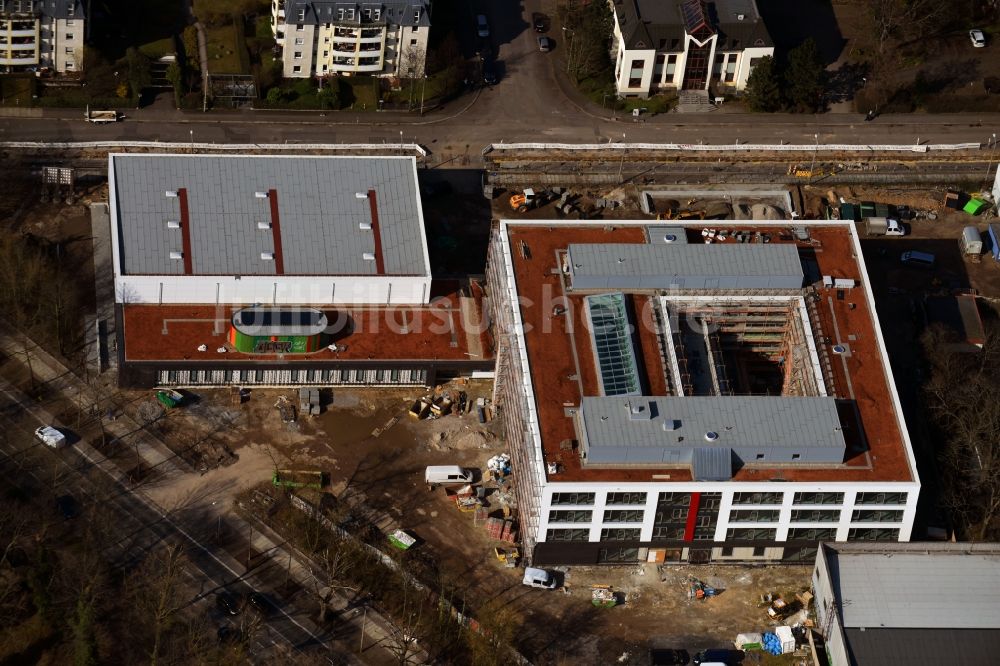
[(490, 76), (667, 657), (227, 603), (447, 475), (718, 656), (50, 436), (482, 26), (544, 44), (538, 578), (977, 38), (540, 22)]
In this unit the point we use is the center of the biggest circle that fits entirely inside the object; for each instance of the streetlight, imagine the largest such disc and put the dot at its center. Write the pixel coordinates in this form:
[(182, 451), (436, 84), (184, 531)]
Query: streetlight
[(621, 165), (815, 149), (192, 138), (989, 164), (400, 142), (423, 89)]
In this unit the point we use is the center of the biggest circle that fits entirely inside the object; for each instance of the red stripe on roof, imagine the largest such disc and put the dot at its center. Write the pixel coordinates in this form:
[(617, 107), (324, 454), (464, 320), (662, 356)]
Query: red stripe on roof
[(182, 196), (379, 261), (279, 260), (692, 517)]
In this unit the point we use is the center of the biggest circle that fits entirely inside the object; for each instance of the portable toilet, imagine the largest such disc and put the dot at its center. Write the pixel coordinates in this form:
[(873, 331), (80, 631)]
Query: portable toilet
[(972, 241)]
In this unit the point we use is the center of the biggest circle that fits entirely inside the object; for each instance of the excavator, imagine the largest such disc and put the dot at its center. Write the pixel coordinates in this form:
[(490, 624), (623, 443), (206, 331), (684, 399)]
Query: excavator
[(524, 201)]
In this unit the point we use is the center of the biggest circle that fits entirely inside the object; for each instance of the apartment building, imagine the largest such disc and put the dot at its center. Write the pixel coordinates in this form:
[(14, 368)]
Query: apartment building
[(326, 37), (686, 44), (41, 34), (670, 393)]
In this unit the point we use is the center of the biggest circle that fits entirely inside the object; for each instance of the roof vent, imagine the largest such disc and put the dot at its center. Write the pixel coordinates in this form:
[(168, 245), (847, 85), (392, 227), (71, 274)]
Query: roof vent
[(360, 195), (260, 195), (174, 254), (670, 238), (264, 225), (740, 17), (839, 349), (368, 256), (267, 256), (711, 436), (670, 425), (365, 226), (170, 194), (638, 412), (173, 224)]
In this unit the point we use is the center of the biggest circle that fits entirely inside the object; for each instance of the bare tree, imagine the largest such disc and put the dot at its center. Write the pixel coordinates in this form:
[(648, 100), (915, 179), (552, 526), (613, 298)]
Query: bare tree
[(157, 594)]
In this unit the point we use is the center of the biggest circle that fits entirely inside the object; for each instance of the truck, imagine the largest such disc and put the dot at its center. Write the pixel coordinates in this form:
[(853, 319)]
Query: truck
[(883, 226), (102, 116)]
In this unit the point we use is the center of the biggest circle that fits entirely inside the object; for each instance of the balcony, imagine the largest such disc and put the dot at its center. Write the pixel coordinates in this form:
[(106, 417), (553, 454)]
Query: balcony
[(22, 33), (33, 60)]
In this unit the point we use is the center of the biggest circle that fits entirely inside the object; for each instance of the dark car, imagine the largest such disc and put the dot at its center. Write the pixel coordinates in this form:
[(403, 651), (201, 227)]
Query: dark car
[(665, 657), (540, 22), (720, 655), (68, 506), (227, 603), (260, 603), (490, 76)]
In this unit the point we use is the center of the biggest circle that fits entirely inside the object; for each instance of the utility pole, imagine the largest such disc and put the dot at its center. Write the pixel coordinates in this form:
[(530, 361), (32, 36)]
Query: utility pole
[(621, 165), (993, 145), (815, 148)]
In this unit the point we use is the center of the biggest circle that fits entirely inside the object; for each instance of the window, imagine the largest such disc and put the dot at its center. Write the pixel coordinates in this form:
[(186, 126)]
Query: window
[(818, 498), (570, 516), (815, 516), (760, 456), (754, 62), (394, 373), (812, 534), (620, 534), (69, 50), (70, 23), (366, 14), (296, 69), (70, 65), (754, 516), (873, 534), (758, 551), (880, 498), (299, 27), (340, 14), (298, 55), (413, 42), (326, 54), (416, 16), (350, 13), (750, 534), (614, 499), (634, 83), (727, 552), (378, 13), (299, 41), (796, 456), (415, 30), (567, 535), (70, 9), (730, 77), (69, 35), (302, 15), (623, 516), (877, 516), (573, 498), (757, 498)]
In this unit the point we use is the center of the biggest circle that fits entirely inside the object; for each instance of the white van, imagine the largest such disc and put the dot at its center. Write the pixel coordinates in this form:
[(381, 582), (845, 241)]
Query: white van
[(538, 578), (447, 475)]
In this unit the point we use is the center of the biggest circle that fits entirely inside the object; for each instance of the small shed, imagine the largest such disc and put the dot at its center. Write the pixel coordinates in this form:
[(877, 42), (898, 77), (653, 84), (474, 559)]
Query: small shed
[(972, 241)]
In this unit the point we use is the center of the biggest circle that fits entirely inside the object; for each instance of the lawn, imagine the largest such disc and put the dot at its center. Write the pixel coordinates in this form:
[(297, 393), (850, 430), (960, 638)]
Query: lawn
[(16, 90), (223, 50), (157, 49)]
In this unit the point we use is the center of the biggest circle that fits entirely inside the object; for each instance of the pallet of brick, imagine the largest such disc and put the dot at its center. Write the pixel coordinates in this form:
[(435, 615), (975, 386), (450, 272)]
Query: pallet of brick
[(494, 527), (509, 533)]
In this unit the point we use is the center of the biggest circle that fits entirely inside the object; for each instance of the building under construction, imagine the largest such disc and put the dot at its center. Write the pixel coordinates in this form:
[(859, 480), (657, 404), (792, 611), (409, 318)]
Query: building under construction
[(688, 394)]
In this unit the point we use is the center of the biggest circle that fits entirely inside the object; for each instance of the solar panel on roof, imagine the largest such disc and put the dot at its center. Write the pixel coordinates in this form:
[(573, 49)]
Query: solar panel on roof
[(609, 328)]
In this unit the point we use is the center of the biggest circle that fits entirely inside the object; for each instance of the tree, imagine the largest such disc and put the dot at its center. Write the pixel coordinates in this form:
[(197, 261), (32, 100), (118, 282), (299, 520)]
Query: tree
[(274, 95), (176, 77), (805, 77), (329, 95), (589, 27), (763, 91), (139, 72)]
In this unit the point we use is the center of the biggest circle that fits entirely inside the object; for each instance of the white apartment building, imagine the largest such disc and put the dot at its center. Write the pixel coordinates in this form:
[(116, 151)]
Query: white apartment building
[(326, 37), (686, 44), (41, 34), (670, 393)]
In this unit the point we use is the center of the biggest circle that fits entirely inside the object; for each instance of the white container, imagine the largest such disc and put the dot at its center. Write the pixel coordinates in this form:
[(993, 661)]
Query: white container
[(784, 635)]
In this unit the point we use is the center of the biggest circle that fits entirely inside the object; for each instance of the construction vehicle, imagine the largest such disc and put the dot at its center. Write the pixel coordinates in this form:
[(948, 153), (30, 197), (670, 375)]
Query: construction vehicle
[(883, 226), (523, 201)]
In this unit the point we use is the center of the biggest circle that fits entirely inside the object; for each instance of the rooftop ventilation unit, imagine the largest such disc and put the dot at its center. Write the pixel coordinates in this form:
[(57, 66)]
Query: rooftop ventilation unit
[(711, 436), (670, 238), (639, 412), (173, 224), (669, 425), (264, 225), (740, 17), (170, 194), (267, 256), (368, 256), (174, 254), (360, 195), (260, 195), (365, 226)]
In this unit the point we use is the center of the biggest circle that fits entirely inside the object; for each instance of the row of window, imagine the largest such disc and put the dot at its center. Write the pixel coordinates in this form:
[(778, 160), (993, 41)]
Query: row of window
[(739, 499), (347, 14), (732, 534), (735, 516)]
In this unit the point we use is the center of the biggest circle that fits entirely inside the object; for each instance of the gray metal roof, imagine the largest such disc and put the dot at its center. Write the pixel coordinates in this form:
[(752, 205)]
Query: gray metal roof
[(917, 590), (320, 216), (668, 430), (906, 647), (681, 266)]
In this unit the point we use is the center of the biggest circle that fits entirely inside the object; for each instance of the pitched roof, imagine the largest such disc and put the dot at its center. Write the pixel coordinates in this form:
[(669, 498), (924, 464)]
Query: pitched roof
[(393, 12), (660, 24)]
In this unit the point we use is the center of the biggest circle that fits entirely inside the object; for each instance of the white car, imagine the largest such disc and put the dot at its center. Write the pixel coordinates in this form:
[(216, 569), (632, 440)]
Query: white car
[(50, 436), (978, 38), (539, 578)]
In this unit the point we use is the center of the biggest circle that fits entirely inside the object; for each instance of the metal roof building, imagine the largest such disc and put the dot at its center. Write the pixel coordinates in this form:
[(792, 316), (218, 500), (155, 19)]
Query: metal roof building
[(684, 266), (904, 604), (268, 229)]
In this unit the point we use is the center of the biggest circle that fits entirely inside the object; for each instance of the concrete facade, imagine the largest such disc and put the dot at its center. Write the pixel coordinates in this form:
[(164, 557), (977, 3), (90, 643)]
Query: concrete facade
[(36, 35)]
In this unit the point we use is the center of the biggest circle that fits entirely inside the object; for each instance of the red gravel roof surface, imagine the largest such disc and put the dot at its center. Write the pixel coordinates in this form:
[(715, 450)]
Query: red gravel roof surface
[(438, 331), (552, 349)]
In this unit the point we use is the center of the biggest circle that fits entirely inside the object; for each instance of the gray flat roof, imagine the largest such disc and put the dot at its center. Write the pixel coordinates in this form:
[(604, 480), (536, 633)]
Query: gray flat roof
[(684, 266), (917, 590), (645, 430), (319, 214), (905, 647)]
